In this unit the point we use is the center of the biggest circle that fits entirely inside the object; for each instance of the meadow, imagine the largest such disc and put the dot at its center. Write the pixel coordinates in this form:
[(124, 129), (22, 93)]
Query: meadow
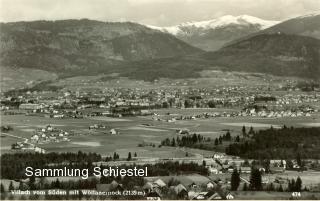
[(133, 131)]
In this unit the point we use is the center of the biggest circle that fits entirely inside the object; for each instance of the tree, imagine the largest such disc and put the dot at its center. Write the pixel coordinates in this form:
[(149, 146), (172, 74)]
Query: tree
[(255, 179), (129, 156), (135, 154), (244, 133), (228, 136), (114, 156), (56, 184), (187, 154), (21, 186), (235, 180), (299, 162), (251, 131), (11, 187), (238, 138), (292, 185), (280, 189), (270, 187), (173, 142), (2, 188), (204, 163), (32, 184), (216, 141), (245, 187), (298, 184)]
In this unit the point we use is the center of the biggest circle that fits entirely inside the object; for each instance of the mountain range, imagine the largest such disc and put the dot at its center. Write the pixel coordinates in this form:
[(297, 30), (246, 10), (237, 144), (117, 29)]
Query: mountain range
[(87, 47), (83, 45), (213, 34)]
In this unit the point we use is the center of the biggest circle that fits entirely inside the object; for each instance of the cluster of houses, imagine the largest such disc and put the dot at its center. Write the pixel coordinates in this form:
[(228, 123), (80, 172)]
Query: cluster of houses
[(49, 134), (25, 146), (137, 101), (245, 113), (112, 131), (167, 187)]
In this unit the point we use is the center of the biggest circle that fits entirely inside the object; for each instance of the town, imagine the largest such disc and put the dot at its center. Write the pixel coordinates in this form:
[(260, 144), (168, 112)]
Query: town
[(152, 127)]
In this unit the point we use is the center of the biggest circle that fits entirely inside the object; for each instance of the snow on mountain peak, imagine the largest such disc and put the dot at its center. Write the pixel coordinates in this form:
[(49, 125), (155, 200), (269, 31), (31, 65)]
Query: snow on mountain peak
[(316, 13), (219, 22)]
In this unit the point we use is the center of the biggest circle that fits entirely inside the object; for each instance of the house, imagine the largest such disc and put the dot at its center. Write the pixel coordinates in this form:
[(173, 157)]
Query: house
[(218, 156), (183, 131), (213, 170), (230, 196), (181, 191), (154, 195), (102, 187), (113, 131), (148, 187), (211, 185), (29, 106), (49, 128), (34, 138), (277, 169), (159, 183), (193, 185), (199, 196), (145, 112), (113, 186), (246, 170), (214, 196)]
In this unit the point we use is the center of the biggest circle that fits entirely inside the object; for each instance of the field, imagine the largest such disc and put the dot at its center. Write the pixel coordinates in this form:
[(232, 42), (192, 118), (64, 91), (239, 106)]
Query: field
[(20, 78), (133, 131)]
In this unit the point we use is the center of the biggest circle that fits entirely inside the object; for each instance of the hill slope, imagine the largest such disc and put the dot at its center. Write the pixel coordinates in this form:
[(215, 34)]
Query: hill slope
[(83, 45), (277, 54), (308, 25)]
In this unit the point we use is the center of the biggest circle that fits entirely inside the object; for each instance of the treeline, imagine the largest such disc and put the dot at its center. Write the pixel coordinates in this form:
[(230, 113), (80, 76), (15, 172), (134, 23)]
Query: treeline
[(12, 165), (198, 141), (116, 156), (284, 143)]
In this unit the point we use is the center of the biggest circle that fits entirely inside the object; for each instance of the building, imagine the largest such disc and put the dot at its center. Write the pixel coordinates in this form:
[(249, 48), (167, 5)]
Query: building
[(113, 131), (29, 106)]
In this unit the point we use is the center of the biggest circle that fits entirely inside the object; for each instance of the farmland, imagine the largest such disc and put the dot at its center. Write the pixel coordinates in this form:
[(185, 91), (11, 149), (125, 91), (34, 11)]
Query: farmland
[(133, 131)]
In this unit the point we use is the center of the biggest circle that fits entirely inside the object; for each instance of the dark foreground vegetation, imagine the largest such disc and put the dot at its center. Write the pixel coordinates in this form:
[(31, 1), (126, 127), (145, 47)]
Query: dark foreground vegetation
[(284, 143)]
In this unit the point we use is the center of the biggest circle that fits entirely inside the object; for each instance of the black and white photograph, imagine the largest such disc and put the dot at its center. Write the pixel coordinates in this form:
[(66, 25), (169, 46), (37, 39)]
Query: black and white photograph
[(160, 99)]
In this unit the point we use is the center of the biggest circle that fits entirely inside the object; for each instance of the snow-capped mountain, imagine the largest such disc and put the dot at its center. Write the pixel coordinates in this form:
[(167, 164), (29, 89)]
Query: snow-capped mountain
[(305, 25), (227, 20), (213, 34)]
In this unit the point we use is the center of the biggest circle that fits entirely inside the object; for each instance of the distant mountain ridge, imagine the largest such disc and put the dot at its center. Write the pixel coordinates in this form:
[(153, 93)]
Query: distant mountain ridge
[(213, 34), (83, 44), (86, 47), (277, 54)]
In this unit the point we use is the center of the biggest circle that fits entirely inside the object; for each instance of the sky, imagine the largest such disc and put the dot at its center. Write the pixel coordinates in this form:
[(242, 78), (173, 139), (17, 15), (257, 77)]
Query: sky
[(152, 12)]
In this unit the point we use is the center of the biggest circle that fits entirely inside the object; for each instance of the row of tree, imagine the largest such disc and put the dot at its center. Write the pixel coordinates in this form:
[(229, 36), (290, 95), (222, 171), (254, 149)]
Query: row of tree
[(198, 141), (256, 182)]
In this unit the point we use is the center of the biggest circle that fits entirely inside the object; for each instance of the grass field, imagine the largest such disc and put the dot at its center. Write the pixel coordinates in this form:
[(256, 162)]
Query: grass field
[(133, 132)]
